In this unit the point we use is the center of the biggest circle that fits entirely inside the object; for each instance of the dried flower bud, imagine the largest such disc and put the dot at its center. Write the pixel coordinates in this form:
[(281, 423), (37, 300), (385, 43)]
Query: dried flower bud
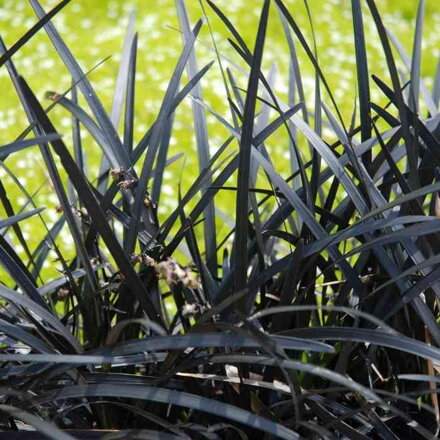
[(136, 258), (148, 202), (189, 309), (190, 281), (170, 271), (83, 212), (54, 96), (148, 261), (119, 278), (117, 173), (127, 184), (143, 258), (63, 293)]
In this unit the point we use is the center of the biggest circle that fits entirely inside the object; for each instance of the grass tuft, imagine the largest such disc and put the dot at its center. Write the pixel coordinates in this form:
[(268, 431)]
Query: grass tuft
[(309, 309)]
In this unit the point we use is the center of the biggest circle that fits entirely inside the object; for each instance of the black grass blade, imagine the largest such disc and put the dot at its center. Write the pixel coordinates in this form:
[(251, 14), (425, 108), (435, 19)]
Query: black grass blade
[(241, 220)]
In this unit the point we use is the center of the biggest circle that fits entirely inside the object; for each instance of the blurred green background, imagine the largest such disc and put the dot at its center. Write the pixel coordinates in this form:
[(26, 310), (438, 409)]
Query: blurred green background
[(94, 29)]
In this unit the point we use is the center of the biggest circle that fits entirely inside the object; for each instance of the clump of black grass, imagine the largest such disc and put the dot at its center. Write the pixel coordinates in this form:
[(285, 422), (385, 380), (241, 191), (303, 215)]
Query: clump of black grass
[(317, 319)]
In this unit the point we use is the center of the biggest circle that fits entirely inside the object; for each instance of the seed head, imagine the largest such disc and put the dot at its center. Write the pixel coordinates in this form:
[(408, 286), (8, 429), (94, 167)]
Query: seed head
[(170, 271)]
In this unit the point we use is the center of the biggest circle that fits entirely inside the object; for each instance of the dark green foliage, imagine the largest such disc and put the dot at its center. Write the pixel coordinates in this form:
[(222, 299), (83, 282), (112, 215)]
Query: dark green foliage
[(320, 320)]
